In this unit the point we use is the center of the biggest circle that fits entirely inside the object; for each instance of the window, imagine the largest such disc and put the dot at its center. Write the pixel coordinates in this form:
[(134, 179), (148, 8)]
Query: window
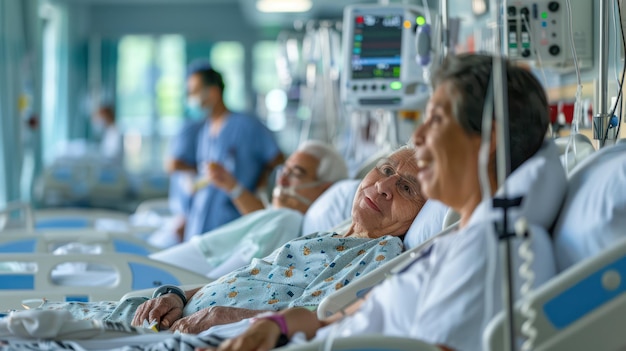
[(150, 96), (228, 58), (264, 60)]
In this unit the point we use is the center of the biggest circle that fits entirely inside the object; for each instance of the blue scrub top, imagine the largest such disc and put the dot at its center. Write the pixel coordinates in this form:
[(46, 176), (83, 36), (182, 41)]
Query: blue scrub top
[(183, 148), (244, 147)]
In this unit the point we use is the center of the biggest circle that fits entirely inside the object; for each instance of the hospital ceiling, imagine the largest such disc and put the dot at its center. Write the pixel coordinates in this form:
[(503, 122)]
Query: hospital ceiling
[(213, 20), (321, 9)]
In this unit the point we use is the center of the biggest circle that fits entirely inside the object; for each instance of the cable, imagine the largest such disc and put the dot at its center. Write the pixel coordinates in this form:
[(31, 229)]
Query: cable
[(490, 278), (578, 98), (615, 57), (483, 155), (485, 185), (528, 279), (621, 83)]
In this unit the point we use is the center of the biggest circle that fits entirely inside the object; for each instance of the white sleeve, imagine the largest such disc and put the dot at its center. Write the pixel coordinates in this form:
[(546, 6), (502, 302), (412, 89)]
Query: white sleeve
[(440, 298), (462, 291)]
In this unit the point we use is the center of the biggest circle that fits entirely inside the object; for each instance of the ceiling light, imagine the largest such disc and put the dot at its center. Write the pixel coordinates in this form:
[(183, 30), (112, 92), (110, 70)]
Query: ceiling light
[(283, 5)]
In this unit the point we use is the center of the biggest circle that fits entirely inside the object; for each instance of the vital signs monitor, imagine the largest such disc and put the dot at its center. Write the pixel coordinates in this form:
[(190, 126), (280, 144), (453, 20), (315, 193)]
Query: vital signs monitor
[(380, 69)]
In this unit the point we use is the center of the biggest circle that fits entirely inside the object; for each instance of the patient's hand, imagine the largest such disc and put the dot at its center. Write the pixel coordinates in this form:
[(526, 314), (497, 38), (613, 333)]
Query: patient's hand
[(220, 177), (261, 336), (165, 310), (208, 317)]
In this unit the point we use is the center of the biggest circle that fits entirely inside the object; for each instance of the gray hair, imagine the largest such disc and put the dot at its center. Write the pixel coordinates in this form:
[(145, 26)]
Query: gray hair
[(332, 167), (528, 105)]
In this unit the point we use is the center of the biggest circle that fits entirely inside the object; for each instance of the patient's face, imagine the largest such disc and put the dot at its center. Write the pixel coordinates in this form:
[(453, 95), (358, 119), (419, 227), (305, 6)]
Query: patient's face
[(446, 154), (299, 171), (388, 198)]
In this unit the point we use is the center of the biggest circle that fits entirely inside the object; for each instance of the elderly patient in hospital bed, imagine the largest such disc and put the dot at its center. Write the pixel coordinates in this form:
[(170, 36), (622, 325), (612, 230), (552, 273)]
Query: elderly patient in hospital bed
[(306, 174), (300, 273)]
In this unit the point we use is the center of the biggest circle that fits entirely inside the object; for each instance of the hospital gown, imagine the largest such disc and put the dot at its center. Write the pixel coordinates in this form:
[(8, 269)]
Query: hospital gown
[(302, 273), (244, 147)]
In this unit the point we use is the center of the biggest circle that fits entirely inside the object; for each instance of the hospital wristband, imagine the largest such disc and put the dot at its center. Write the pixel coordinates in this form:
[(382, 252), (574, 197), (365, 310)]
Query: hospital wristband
[(170, 289), (235, 192)]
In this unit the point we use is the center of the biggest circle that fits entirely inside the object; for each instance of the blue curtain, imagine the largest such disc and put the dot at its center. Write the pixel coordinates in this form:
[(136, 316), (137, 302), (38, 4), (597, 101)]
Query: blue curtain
[(12, 56), (108, 69)]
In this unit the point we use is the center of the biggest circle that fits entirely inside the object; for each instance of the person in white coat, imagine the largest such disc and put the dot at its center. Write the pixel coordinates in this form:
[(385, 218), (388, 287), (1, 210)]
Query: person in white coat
[(111, 141)]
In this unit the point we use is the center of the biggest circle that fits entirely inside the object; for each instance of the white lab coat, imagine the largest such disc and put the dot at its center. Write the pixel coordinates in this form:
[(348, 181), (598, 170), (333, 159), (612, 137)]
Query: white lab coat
[(111, 145)]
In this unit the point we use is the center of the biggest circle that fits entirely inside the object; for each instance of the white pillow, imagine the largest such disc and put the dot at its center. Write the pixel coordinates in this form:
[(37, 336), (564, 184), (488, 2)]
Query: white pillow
[(331, 208), (542, 183), (593, 217), (541, 180), (428, 222)]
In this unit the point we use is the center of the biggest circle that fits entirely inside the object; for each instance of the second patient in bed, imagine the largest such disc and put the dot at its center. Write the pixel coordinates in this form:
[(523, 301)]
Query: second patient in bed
[(306, 174)]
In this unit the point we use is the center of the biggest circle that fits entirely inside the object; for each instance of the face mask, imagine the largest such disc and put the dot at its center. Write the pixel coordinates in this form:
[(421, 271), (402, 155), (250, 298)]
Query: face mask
[(195, 109), (290, 191)]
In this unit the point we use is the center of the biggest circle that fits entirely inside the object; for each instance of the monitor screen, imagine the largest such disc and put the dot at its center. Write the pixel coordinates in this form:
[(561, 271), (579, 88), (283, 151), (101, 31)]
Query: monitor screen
[(377, 46)]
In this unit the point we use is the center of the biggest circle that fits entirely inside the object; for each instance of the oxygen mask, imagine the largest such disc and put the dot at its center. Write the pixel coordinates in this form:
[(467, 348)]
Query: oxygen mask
[(290, 191), (296, 181)]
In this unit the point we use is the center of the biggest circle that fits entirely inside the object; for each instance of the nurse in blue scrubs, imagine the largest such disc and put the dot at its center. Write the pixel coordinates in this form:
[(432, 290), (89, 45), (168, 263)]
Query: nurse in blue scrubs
[(238, 142)]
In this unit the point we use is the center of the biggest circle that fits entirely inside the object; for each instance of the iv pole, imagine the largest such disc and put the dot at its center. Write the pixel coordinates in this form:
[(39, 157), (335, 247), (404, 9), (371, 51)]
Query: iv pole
[(603, 132), (504, 169)]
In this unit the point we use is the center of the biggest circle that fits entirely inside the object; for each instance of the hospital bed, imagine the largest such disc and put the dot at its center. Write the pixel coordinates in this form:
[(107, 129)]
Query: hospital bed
[(20, 216), (44, 242), (584, 308), (74, 255), (564, 321), (133, 272), (92, 266), (83, 181), (94, 182)]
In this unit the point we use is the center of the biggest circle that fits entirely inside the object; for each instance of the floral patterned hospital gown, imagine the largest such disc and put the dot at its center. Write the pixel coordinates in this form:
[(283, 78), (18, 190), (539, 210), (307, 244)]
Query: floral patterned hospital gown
[(302, 272)]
